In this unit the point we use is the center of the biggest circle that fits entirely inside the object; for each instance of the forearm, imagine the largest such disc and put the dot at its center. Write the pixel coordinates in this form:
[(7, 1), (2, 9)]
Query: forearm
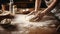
[(40, 15), (37, 4), (50, 7), (47, 10), (37, 7)]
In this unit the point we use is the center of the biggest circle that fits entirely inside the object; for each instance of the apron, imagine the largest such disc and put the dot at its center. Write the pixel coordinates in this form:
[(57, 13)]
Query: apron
[(43, 4)]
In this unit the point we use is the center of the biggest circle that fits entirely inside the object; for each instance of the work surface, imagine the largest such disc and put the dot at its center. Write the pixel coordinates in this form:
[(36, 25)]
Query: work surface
[(22, 25)]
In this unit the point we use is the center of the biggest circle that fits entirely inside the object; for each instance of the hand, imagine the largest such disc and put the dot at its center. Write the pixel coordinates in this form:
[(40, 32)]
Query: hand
[(38, 17), (33, 12)]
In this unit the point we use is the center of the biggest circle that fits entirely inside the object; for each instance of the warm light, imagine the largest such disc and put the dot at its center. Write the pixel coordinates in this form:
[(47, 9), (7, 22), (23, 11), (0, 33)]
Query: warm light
[(24, 10), (23, 21)]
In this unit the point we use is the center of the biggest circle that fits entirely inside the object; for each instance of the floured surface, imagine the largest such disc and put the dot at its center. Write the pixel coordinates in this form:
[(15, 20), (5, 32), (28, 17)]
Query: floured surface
[(25, 27), (24, 20)]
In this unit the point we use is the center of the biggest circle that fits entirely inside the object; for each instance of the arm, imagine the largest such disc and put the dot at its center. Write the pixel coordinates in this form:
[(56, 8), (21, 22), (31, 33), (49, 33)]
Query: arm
[(50, 7), (39, 15), (37, 6)]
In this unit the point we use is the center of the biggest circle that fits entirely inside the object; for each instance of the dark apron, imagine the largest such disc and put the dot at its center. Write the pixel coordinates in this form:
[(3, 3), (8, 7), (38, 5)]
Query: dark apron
[(43, 4)]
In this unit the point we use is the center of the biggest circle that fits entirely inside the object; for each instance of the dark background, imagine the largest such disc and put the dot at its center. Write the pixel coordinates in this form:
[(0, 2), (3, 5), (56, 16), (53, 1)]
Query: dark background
[(24, 4)]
